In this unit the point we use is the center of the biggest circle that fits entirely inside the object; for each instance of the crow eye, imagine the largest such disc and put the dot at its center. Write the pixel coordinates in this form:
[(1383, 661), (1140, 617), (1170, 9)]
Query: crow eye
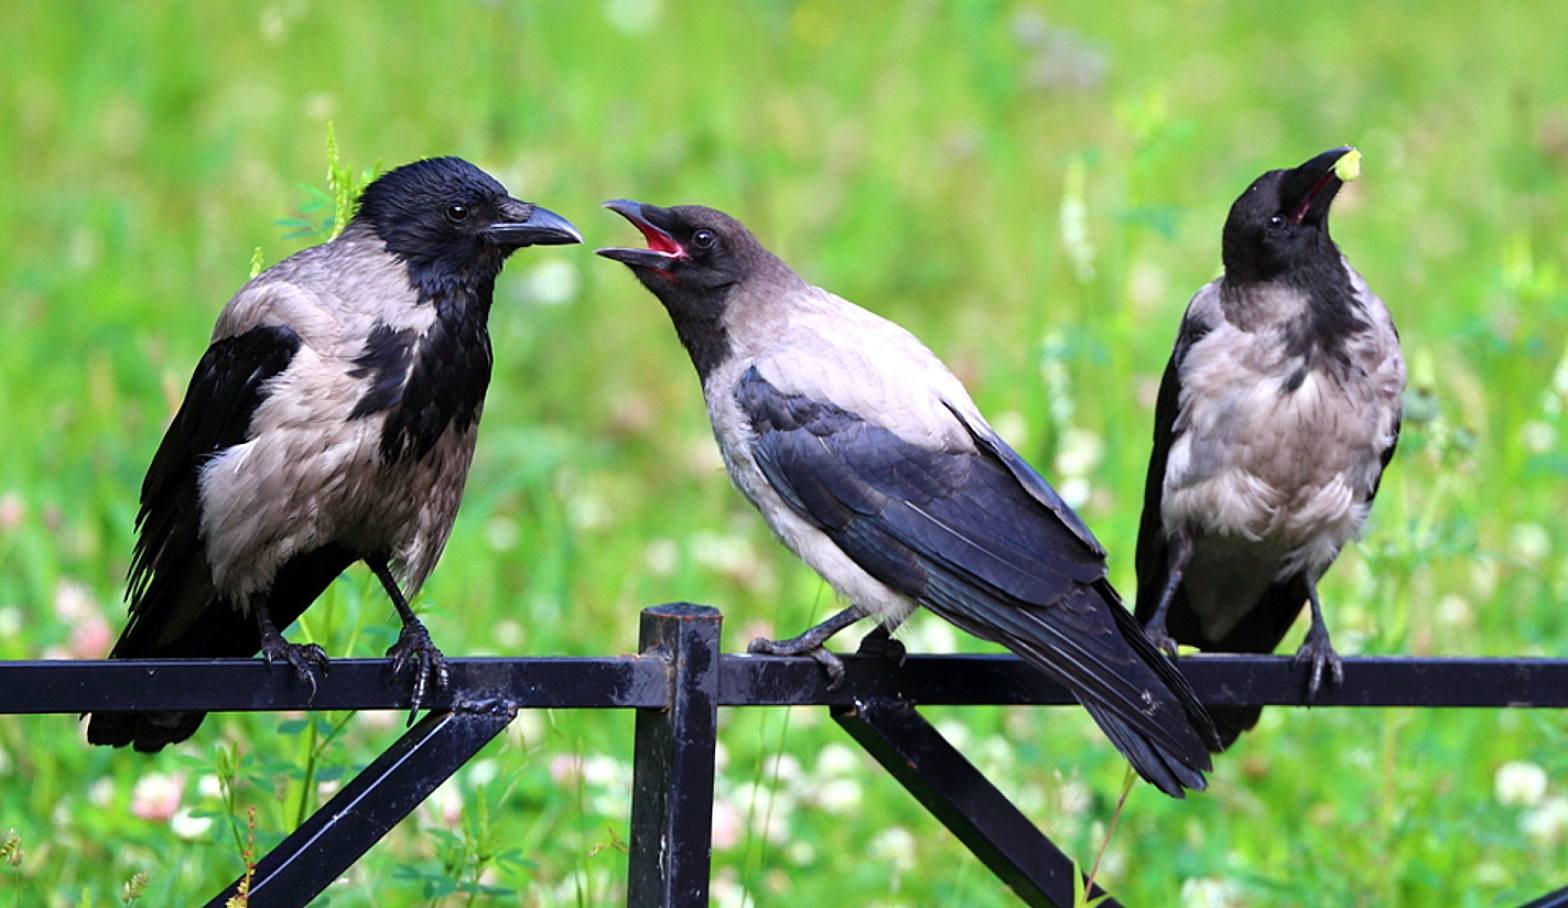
[(1276, 221), (704, 239), (457, 213)]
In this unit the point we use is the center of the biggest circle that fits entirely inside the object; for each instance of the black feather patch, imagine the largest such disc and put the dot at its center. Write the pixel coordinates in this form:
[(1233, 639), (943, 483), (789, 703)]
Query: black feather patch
[(446, 386), (385, 362), (230, 383)]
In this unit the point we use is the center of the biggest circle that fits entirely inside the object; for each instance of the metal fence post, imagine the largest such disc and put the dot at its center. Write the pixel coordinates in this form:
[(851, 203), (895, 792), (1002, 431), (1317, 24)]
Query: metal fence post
[(672, 774)]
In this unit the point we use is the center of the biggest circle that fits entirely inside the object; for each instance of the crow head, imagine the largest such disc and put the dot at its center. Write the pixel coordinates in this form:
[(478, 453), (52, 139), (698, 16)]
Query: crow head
[(1281, 222), (452, 223)]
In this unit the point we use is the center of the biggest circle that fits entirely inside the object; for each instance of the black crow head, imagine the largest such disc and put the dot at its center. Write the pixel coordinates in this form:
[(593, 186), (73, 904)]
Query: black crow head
[(695, 259), (453, 223), (1281, 222)]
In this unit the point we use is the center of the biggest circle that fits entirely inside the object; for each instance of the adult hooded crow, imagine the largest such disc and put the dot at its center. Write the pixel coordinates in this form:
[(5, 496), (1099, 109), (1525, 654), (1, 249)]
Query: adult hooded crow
[(868, 459), (1277, 414), (332, 420)]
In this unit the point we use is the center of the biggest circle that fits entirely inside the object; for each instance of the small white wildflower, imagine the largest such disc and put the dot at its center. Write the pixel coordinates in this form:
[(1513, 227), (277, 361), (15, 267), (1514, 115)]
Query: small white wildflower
[(633, 17), (12, 510), (800, 852), (661, 557), (566, 769), (209, 786), (1454, 611), (1074, 798), (550, 283), (727, 825), (894, 846), (528, 728), (445, 804), (1519, 783), (587, 511), (1530, 541), (502, 533), (10, 621), (74, 602), (1545, 825), (101, 792), (600, 769), (839, 796), (727, 892), (188, 827), (157, 796), (956, 733), (1539, 437), (837, 760), (1079, 452), (1211, 893), (783, 767), (483, 772), (1011, 425), (1075, 490)]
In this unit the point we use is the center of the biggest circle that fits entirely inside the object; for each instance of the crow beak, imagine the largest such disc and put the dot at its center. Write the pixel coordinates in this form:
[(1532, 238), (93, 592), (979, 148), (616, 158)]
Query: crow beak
[(662, 247), (531, 225), (1314, 184)]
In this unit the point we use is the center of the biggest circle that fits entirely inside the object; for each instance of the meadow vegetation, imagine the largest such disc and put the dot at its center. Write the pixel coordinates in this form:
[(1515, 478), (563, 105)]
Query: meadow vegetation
[(1034, 189)]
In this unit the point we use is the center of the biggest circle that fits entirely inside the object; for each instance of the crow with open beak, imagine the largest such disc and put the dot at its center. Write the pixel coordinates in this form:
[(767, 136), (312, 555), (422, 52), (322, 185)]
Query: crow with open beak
[(332, 420), (1277, 414), (868, 459)]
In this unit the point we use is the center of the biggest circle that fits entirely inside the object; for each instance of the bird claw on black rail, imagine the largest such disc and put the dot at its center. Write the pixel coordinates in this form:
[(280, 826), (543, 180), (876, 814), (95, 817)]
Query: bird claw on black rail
[(833, 665), (1315, 653), (307, 659), (415, 649)]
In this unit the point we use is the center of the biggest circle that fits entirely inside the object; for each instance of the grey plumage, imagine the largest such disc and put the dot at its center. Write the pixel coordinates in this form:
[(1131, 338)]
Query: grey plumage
[(1277, 414), (869, 460), (332, 420)]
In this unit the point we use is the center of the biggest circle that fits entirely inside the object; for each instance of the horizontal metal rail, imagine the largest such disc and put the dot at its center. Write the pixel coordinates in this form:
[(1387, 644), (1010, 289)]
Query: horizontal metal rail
[(638, 682)]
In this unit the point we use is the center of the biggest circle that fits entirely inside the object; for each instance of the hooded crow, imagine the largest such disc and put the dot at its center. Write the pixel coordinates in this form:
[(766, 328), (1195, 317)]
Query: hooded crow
[(332, 420), (867, 458), (1277, 414)]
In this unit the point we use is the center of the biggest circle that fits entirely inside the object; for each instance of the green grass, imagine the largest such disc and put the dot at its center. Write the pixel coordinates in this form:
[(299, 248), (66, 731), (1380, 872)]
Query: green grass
[(1035, 192)]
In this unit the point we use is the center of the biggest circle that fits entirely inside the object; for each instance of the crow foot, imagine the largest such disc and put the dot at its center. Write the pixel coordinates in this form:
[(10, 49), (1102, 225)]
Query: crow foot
[(1317, 652), (308, 660), (415, 650)]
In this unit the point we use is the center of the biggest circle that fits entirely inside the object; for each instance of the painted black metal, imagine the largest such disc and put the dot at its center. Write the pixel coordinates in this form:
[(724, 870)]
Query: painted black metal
[(1230, 680), (966, 802), (367, 808), (672, 770), (237, 685), (1558, 899), (677, 685)]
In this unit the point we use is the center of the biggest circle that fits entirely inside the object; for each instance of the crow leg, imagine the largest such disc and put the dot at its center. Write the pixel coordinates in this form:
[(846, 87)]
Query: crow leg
[(1316, 650), (1177, 559), (307, 659), (414, 648), (811, 643)]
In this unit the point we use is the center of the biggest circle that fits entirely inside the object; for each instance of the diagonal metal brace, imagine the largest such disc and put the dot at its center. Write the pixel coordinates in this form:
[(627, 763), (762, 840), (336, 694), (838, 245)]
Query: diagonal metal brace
[(966, 802), (367, 808)]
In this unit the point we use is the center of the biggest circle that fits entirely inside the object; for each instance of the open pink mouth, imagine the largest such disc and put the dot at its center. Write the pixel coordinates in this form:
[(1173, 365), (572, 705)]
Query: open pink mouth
[(658, 240)]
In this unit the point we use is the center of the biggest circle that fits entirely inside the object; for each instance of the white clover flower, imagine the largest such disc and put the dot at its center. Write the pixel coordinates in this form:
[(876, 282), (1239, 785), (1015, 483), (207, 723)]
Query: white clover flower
[(552, 282), (12, 510), (1518, 783), (727, 825), (101, 792), (839, 796), (157, 796), (1011, 425), (1079, 452), (445, 804), (1530, 541), (633, 17), (188, 827), (837, 760), (1211, 893), (1545, 825), (661, 557), (74, 602), (894, 846), (209, 786), (483, 772)]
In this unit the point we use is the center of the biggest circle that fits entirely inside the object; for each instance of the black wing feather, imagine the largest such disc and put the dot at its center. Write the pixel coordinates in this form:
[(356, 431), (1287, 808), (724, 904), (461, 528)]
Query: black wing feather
[(175, 611), (960, 533)]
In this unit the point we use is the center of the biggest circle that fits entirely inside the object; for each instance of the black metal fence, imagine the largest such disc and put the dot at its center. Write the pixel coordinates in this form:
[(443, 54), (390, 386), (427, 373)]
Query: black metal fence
[(677, 683)]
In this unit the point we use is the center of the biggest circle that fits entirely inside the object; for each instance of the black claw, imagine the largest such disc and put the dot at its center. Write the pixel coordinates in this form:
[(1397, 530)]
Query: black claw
[(415, 649), (1162, 641), (1317, 653), (308, 660)]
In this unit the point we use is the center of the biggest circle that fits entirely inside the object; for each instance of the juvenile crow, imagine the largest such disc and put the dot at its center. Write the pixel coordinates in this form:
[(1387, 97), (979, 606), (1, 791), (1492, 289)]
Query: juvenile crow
[(1277, 414), (332, 420), (868, 459)]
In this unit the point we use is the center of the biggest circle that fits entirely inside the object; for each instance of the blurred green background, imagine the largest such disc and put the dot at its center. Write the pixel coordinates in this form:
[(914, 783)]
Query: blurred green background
[(1035, 189)]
